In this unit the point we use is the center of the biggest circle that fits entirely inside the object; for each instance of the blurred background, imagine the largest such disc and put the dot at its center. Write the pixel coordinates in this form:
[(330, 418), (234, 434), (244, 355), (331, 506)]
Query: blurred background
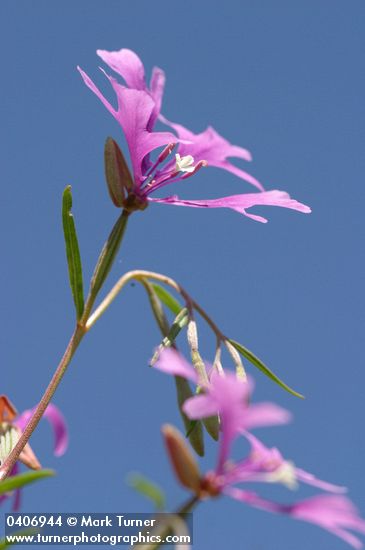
[(283, 79)]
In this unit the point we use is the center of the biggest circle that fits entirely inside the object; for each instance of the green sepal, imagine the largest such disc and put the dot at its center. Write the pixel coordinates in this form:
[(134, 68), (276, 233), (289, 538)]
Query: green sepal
[(262, 367), (117, 174), (20, 480), (149, 489), (72, 252)]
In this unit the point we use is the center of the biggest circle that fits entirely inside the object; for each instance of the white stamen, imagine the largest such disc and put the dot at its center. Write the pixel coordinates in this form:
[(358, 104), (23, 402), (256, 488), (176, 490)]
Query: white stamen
[(184, 164), (285, 474)]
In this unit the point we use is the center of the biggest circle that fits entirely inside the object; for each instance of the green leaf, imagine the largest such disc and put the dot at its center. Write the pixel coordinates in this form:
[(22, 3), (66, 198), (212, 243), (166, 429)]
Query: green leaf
[(157, 308), (148, 489), (72, 252), (260, 365), (180, 321), (108, 254), (167, 299), (16, 482)]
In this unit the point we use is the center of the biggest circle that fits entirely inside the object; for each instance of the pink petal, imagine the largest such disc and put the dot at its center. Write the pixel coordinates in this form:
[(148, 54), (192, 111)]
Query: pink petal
[(200, 406), (266, 414), (310, 479), (172, 362), (213, 148), (127, 64), (157, 86), (90, 84), (58, 423), (334, 513), (135, 109), (240, 203), (252, 499)]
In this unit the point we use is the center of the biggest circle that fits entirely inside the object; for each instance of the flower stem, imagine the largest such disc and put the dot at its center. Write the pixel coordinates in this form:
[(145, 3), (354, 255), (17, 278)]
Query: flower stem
[(164, 530), (140, 275), (188, 506)]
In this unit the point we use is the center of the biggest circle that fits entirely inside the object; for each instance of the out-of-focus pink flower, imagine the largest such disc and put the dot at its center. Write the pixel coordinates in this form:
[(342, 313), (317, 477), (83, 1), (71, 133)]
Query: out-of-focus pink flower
[(138, 108), (224, 395), (57, 422), (11, 427), (228, 397)]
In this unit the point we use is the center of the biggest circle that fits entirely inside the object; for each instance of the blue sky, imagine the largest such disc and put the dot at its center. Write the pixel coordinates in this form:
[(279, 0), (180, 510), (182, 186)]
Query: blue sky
[(283, 79)]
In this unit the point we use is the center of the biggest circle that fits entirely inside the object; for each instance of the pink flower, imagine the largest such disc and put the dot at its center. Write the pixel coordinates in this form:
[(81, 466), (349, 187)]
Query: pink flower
[(138, 108)]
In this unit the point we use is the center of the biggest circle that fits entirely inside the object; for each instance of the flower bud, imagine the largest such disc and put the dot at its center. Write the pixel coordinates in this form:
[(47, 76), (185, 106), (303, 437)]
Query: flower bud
[(117, 174), (183, 462), (7, 410)]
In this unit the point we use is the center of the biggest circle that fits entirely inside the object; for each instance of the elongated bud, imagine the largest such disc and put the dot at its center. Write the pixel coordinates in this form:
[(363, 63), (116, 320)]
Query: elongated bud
[(236, 358), (117, 173), (211, 423), (183, 462), (192, 335)]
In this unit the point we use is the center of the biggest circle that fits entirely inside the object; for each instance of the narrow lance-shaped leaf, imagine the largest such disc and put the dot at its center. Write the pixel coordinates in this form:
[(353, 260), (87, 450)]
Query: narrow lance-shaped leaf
[(194, 429), (167, 299), (261, 366), (107, 255), (148, 489), (157, 308), (16, 482), (180, 321), (72, 252)]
